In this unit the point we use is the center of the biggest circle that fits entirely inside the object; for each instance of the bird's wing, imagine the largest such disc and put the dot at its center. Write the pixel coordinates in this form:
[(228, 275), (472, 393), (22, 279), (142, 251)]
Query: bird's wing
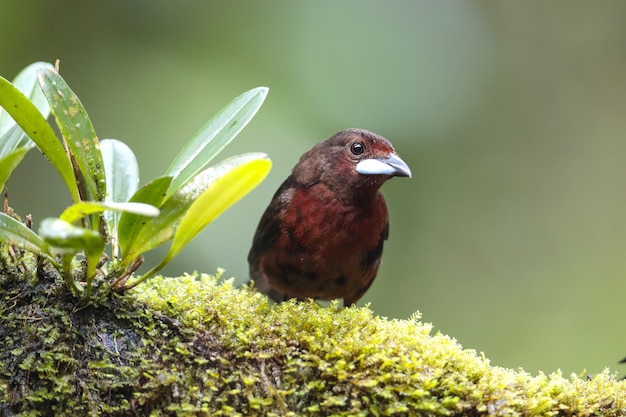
[(269, 229)]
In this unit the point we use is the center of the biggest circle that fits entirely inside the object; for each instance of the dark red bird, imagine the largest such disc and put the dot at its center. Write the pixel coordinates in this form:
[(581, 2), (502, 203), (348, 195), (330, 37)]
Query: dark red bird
[(322, 234)]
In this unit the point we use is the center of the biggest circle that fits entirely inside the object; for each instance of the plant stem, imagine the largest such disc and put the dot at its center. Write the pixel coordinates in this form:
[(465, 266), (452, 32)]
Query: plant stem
[(67, 275)]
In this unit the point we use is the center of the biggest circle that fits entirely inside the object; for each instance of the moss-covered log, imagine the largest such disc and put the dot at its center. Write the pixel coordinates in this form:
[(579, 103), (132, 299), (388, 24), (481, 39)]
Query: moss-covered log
[(193, 346)]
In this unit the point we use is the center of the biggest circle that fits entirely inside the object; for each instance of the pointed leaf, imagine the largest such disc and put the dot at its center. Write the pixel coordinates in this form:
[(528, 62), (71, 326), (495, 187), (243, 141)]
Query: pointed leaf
[(156, 231), (76, 128), (79, 210), (208, 195), (232, 179), (130, 224), (122, 177), (26, 82), (153, 232), (14, 143), (29, 118), (214, 136)]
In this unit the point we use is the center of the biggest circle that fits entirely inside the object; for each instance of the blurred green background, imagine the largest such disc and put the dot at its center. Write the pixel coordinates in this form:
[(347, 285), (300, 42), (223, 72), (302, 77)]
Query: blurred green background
[(511, 235)]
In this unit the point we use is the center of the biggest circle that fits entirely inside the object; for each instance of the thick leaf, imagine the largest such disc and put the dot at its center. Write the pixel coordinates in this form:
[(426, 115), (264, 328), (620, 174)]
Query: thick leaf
[(121, 169), (16, 233), (67, 239), (122, 175), (214, 136), (153, 232), (26, 82), (78, 132), (130, 224), (233, 179), (14, 143), (29, 118), (208, 195), (79, 210)]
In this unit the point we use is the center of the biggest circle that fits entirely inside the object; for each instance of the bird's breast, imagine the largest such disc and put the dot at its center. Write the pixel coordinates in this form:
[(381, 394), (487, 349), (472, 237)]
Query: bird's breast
[(326, 229)]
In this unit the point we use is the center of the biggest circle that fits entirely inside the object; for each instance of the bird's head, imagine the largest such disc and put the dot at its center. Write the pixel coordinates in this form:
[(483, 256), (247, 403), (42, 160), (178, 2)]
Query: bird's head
[(353, 160)]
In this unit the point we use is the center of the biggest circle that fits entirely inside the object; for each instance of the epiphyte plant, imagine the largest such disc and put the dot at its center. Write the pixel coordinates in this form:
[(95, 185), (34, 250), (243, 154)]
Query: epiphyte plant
[(108, 210)]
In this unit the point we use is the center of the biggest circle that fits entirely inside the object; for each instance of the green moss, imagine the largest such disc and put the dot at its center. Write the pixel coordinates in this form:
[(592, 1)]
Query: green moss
[(192, 345), (332, 361)]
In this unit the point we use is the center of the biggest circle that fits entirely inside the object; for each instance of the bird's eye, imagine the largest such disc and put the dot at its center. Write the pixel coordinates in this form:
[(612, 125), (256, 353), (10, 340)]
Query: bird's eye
[(357, 148)]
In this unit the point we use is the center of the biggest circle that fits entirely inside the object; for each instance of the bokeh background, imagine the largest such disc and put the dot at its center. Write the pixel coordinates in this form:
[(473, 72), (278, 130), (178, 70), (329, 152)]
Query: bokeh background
[(511, 235)]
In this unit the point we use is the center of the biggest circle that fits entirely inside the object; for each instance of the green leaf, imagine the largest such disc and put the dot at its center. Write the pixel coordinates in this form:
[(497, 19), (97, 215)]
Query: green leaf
[(14, 143), (9, 162), (26, 82), (228, 182), (14, 139), (207, 196), (31, 121), (151, 233), (130, 224), (214, 136), (76, 128), (121, 169), (16, 233), (67, 239), (122, 176), (79, 210)]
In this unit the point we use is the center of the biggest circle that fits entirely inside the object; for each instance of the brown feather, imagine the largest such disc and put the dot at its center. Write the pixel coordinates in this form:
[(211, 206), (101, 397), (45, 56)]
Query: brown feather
[(322, 234)]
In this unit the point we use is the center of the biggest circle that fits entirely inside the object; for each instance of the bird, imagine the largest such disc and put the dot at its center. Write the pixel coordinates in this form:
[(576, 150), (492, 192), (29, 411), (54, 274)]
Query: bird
[(322, 234)]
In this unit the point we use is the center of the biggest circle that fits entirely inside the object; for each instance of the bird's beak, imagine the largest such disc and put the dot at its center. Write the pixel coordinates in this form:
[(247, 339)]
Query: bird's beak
[(392, 165)]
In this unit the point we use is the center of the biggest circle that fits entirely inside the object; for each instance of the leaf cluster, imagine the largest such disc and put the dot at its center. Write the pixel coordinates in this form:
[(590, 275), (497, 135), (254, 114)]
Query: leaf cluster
[(109, 210)]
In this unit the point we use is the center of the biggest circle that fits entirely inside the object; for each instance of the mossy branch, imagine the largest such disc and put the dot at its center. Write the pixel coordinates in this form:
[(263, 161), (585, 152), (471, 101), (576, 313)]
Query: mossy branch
[(192, 345)]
